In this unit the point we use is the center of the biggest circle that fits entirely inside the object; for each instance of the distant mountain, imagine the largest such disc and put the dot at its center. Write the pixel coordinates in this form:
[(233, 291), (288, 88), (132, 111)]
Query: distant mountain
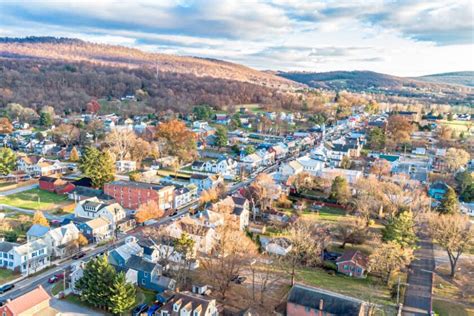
[(75, 50), (463, 78), (67, 73), (423, 89)]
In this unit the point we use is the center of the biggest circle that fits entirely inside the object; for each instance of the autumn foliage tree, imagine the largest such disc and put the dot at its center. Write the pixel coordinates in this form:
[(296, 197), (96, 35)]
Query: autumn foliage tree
[(381, 167), (148, 210), (93, 106), (5, 126), (178, 140), (40, 219)]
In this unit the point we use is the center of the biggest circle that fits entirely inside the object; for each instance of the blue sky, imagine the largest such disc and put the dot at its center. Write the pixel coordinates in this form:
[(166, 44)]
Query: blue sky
[(406, 38)]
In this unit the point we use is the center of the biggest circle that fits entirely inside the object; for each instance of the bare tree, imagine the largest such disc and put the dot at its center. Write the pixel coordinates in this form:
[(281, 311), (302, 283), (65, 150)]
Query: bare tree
[(120, 141), (454, 233)]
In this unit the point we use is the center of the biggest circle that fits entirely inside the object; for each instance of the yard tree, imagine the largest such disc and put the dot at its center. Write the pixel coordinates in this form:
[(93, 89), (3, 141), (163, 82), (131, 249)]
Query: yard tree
[(340, 191), (388, 258), (122, 296), (93, 106), (454, 233), (74, 156), (302, 181), (221, 137), (148, 210), (263, 190), (463, 180), (449, 204), (46, 119), (120, 142), (203, 112), (40, 219), (178, 140), (140, 150), (249, 149), (399, 129), (234, 251), (400, 229), (7, 161), (96, 282), (456, 158), (308, 240), (372, 107), (351, 231), (99, 166), (184, 246), (376, 139), (5, 126), (208, 196), (467, 195), (381, 167), (346, 162), (81, 241), (66, 134)]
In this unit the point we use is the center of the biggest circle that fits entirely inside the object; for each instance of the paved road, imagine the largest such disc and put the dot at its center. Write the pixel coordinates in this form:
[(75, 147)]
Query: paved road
[(32, 212), (19, 189), (418, 300)]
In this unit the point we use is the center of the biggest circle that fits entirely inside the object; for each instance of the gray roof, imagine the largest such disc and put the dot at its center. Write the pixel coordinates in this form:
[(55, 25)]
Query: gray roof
[(140, 185), (139, 264), (6, 246), (333, 303), (37, 230)]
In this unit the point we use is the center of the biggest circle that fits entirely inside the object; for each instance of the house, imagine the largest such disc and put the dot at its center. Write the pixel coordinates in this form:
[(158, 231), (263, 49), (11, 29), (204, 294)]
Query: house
[(237, 207), (33, 303), (280, 150), (204, 237), (125, 166), (55, 185), (224, 166), (39, 166), (280, 246), (44, 147), (353, 263), (267, 157), (133, 194), (27, 258), (290, 169), (437, 190), (114, 213), (149, 274), (251, 162), (209, 218), (184, 195), (467, 208), (222, 119), (350, 175), (200, 124), (37, 231), (61, 241), (206, 182), (95, 230), (186, 303), (310, 165), (311, 301), (119, 256)]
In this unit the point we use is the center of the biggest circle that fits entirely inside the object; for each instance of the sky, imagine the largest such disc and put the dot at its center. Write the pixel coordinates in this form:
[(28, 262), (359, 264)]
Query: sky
[(404, 38)]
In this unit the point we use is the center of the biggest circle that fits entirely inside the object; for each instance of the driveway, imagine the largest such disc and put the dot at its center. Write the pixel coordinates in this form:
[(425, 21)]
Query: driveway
[(70, 309)]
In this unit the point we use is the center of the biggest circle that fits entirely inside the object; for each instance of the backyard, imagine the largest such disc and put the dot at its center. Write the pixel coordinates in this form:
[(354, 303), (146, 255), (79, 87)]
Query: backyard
[(36, 199), (7, 275)]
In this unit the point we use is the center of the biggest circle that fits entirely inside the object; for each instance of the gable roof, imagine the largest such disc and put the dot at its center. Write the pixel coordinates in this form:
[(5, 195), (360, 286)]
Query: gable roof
[(60, 232), (97, 222), (139, 264), (28, 300), (6, 246), (332, 303), (37, 230), (48, 179), (355, 256)]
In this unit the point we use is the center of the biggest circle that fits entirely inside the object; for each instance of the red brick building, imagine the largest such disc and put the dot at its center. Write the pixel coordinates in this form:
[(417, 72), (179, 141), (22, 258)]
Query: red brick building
[(133, 194), (353, 263)]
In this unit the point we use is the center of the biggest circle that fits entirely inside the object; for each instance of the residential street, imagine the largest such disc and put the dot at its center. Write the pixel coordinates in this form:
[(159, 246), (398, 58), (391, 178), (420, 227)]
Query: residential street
[(19, 189), (418, 296)]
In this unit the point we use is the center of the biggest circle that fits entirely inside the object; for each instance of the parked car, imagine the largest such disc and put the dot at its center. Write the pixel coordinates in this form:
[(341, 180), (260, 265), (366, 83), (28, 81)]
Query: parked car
[(79, 255), (6, 288), (138, 310), (55, 278)]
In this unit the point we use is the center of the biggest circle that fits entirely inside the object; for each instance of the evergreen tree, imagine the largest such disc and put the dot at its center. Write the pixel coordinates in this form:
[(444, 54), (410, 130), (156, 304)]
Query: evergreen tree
[(340, 191), (74, 156), (7, 161), (463, 180), (449, 203), (40, 219), (99, 166), (400, 229), (376, 139), (95, 284), (467, 194), (122, 296), (46, 119), (249, 149), (221, 137)]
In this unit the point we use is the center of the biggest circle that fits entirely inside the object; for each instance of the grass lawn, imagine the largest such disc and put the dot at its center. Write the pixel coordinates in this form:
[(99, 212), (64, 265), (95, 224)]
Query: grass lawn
[(58, 287), (145, 296), (326, 214), (369, 289), (449, 308), (7, 275), (459, 126), (75, 299), (29, 200)]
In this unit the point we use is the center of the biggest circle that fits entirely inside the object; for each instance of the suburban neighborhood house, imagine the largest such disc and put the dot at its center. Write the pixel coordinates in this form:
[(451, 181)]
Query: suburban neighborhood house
[(353, 263), (33, 303), (186, 303)]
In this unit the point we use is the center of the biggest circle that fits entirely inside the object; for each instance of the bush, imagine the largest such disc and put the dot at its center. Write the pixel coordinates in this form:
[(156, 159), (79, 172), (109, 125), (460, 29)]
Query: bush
[(11, 236), (328, 265)]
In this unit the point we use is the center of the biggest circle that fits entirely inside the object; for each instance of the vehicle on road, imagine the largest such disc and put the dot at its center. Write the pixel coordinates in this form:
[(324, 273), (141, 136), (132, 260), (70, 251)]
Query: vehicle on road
[(55, 278), (6, 288), (138, 310), (79, 255)]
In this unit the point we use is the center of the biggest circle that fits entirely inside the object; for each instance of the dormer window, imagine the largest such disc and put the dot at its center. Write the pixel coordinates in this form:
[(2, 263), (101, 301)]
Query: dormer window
[(176, 307), (196, 313)]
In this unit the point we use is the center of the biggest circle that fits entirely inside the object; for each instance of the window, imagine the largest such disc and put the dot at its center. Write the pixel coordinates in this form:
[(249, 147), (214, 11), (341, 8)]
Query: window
[(11, 256), (176, 307), (143, 281)]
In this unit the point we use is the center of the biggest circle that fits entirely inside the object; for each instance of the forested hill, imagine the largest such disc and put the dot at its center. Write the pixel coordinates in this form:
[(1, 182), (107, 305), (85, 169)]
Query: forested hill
[(422, 89), (463, 78), (67, 73)]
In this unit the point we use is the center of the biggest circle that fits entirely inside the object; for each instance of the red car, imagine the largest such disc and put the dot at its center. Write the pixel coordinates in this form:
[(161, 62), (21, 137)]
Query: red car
[(55, 278)]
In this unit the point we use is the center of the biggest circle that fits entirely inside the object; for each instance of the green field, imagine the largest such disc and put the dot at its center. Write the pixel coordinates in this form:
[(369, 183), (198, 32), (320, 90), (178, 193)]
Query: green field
[(35, 199), (449, 308), (325, 213), (7, 275), (460, 126)]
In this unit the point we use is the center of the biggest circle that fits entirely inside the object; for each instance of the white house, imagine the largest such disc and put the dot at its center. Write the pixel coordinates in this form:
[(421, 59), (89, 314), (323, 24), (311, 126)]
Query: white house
[(291, 168), (184, 195), (39, 166), (268, 158), (28, 258), (92, 208), (204, 237), (312, 166), (251, 162), (125, 166), (277, 246), (200, 124), (350, 175), (61, 240)]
